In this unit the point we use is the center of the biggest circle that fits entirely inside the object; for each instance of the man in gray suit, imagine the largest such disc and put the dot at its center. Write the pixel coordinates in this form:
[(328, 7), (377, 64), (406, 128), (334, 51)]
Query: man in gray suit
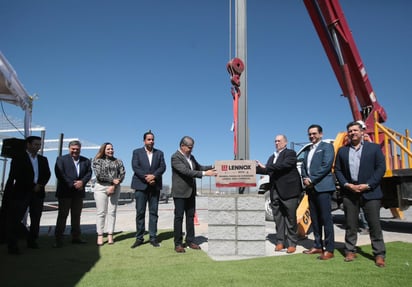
[(185, 170), (148, 165), (320, 185)]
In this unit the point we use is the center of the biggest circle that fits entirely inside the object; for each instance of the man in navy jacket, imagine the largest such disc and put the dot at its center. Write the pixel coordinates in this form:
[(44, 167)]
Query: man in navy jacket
[(73, 172), (148, 165), (359, 168), (285, 190), (319, 182)]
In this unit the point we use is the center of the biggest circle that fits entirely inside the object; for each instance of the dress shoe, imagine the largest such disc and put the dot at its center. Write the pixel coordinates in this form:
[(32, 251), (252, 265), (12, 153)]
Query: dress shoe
[(137, 243), (380, 261), (32, 244), (180, 249), (154, 243), (326, 255), (78, 241), (313, 251), (193, 246), (350, 256), (291, 249), (279, 247)]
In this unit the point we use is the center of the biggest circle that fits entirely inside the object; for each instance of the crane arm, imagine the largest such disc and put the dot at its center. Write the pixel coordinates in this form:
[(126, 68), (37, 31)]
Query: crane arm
[(337, 40)]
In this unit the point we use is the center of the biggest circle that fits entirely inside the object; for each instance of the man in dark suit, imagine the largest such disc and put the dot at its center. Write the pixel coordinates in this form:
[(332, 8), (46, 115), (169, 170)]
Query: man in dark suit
[(285, 189), (185, 170), (316, 172), (148, 165), (73, 171), (359, 168), (29, 174)]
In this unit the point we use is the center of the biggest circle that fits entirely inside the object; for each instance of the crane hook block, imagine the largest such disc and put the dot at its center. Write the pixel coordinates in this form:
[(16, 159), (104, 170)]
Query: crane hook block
[(235, 68)]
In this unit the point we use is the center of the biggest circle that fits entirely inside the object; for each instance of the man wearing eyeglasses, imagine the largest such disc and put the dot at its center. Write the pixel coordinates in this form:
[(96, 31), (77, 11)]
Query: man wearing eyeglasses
[(319, 183), (185, 170)]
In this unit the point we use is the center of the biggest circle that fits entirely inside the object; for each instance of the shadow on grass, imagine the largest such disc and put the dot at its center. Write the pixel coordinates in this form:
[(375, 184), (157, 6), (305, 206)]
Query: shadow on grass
[(201, 239), (366, 254), (125, 236), (48, 266), (162, 236)]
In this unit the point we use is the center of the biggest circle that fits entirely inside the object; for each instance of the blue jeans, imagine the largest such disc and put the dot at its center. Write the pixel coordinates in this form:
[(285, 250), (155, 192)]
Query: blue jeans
[(149, 196)]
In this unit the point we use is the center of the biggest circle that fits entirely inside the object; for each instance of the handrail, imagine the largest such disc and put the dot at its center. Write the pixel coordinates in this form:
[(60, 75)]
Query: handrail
[(393, 142)]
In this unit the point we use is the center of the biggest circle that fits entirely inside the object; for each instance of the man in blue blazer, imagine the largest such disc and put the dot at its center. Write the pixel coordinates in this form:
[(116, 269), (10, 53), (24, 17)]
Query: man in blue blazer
[(28, 176), (73, 172), (148, 165), (285, 190), (359, 168), (316, 172)]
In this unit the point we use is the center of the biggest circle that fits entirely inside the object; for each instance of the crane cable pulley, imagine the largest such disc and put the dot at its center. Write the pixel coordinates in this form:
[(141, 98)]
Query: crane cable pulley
[(235, 67)]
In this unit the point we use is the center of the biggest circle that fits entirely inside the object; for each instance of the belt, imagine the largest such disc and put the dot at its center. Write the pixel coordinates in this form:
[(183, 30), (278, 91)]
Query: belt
[(105, 183)]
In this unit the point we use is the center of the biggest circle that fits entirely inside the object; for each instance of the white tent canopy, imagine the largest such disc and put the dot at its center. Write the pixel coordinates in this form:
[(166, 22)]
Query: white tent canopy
[(13, 92)]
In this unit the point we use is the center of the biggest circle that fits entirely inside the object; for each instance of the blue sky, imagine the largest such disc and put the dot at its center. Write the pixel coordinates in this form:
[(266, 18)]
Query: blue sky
[(111, 70)]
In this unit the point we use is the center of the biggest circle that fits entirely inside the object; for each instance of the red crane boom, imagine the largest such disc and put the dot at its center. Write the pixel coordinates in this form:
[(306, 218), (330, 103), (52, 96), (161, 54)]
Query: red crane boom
[(337, 40)]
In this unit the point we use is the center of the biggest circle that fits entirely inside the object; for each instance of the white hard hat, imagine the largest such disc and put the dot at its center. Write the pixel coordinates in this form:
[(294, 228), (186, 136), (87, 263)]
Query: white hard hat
[(362, 123)]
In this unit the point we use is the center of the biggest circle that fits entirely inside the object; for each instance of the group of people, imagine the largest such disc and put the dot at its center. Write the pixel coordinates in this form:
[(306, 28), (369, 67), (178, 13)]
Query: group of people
[(30, 172), (25, 192), (148, 166), (359, 168)]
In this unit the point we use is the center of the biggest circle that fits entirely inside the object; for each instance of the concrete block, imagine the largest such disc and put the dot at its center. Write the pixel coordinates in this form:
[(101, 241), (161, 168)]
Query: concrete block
[(251, 233), (222, 203), (251, 217), (222, 247), (256, 202), (251, 248), (221, 232), (221, 217)]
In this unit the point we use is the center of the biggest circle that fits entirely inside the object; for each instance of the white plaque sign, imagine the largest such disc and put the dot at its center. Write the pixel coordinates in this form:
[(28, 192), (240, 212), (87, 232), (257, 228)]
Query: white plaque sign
[(235, 173)]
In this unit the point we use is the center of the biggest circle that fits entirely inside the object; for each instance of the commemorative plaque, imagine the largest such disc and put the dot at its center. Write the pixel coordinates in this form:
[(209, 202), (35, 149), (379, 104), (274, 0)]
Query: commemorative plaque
[(235, 173)]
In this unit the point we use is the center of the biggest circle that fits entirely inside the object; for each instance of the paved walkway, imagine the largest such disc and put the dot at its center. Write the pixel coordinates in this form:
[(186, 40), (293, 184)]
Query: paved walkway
[(394, 229)]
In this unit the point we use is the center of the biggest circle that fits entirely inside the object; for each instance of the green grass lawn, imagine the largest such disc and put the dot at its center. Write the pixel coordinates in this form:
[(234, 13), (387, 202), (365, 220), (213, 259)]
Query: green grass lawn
[(119, 265)]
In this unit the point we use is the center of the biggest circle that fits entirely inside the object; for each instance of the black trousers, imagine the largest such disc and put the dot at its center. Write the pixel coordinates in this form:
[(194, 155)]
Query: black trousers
[(16, 209), (75, 206), (184, 206)]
